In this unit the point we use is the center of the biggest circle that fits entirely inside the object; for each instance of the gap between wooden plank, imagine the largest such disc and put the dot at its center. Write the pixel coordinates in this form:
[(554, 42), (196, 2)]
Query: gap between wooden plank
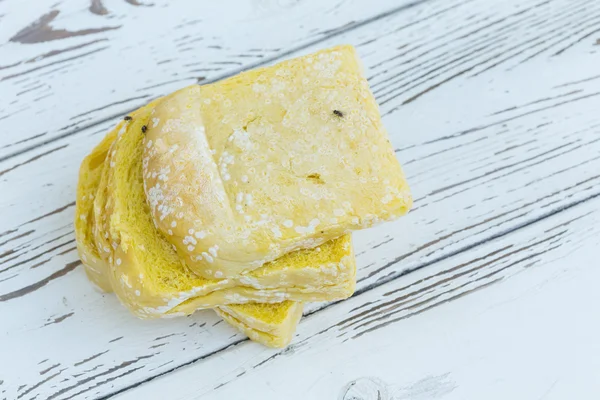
[(333, 33)]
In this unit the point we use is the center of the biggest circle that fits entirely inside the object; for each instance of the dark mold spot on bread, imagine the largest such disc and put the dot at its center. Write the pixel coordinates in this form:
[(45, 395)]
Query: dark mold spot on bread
[(315, 178)]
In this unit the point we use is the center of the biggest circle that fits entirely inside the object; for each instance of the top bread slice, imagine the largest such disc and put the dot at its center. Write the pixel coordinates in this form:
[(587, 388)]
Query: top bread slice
[(242, 171), (149, 277)]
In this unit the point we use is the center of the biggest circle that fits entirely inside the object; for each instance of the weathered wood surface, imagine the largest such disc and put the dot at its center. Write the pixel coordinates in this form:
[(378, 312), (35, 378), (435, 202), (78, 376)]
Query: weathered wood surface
[(492, 109), (66, 65), (511, 319)]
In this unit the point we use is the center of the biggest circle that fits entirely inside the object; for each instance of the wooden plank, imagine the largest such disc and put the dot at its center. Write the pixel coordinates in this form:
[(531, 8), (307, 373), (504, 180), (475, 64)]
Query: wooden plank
[(486, 151), (67, 65), (515, 318)]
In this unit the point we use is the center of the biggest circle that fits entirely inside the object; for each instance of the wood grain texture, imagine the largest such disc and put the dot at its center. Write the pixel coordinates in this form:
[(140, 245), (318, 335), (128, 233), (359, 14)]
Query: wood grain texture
[(514, 318), (65, 65), (495, 122)]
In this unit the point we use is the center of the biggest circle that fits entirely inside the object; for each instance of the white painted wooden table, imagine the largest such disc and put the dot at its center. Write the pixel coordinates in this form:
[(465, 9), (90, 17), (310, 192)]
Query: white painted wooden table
[(493, 108)]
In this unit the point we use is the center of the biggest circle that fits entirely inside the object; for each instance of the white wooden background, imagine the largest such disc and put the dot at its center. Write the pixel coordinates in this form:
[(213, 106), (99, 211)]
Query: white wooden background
[(493, 108)]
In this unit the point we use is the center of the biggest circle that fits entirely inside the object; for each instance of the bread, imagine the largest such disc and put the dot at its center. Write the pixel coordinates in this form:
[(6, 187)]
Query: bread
[(102, 200), (245, 170), (100, 220), (152, 281), (264, 323), (269, 324), (240, 195), (89, 181)]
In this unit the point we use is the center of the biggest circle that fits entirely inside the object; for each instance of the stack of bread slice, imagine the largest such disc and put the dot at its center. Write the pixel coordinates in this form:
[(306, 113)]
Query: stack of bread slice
[(240, 196)]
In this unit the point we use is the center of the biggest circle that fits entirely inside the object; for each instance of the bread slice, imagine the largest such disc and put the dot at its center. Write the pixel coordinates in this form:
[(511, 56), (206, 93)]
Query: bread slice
[(152, 281), (276, 159), (100, 220), (90, 173), (270, 324), (264, 323)]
